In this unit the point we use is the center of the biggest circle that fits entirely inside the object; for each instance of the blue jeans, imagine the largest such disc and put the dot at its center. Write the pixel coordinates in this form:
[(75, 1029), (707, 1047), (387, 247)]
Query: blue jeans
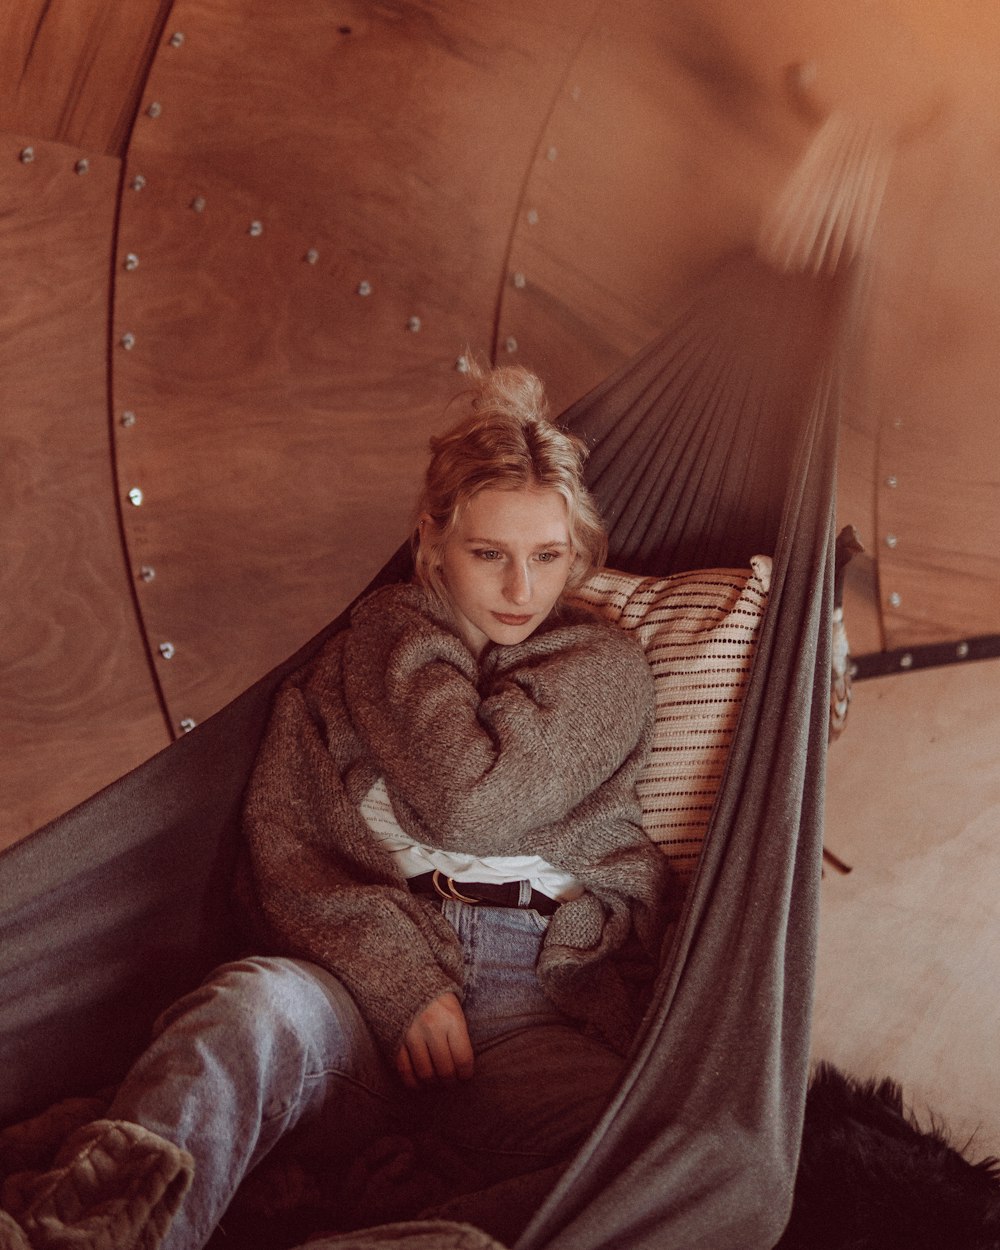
[(267, 1045)]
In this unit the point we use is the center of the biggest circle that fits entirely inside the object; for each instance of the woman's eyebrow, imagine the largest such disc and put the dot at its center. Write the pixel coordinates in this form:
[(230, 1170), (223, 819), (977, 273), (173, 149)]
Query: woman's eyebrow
[(496, 542)]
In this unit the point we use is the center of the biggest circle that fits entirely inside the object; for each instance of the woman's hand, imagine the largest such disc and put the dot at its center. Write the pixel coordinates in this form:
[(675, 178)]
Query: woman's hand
[(436, 1046)]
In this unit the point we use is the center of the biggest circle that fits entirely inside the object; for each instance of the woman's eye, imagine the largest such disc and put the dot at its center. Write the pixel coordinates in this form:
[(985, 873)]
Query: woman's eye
[(488, 554), (546, 557)]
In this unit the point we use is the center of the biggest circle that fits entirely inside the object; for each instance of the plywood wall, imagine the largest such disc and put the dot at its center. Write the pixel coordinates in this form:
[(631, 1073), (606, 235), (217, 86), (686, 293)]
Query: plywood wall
[(73, 70), (79, 701), (296, 278), (231, 337)]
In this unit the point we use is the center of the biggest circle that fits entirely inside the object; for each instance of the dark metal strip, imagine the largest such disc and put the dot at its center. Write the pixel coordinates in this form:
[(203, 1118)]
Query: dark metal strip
[(930, 655)]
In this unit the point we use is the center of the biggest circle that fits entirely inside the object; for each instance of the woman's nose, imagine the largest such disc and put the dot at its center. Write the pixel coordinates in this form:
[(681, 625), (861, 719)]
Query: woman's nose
[(518, 585)]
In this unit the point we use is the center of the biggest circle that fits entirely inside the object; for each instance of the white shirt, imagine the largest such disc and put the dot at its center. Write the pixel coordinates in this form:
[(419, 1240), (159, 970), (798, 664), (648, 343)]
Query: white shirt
[(414, 858)]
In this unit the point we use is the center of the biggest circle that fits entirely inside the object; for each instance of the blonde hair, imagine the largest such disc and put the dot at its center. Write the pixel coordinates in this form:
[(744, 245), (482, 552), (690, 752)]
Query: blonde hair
[(505, 441)]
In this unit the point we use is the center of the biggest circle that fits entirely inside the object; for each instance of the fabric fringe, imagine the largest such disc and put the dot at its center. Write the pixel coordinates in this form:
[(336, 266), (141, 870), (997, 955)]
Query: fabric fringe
[(825, 216)]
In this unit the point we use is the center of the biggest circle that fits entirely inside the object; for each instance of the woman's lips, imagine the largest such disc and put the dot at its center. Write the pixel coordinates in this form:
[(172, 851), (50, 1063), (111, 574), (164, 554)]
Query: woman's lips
[(506, 619)]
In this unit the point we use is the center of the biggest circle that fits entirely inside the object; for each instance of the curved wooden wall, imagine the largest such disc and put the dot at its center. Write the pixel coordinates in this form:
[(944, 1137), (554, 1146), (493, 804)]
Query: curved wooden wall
[(74, 672), (79, 697), (233, 335), (297, 275), (633, 190)]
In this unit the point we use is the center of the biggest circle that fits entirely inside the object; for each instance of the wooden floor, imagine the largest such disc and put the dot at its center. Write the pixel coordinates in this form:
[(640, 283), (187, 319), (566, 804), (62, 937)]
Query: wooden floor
[(910, 942)]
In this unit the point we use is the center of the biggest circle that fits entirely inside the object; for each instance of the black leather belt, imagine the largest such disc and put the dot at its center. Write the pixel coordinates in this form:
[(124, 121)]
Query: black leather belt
[(486, 893)]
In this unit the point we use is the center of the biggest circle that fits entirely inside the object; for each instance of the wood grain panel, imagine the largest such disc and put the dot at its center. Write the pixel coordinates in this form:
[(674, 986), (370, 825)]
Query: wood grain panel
[(635, 192), (281, 416), (664, 145), (937, 331), (549, 176), (671, 136), (80, 706), (73, 70), (857, 471)]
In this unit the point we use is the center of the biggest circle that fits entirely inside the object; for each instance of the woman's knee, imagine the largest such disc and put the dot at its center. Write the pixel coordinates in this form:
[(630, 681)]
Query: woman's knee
[(261, 994)]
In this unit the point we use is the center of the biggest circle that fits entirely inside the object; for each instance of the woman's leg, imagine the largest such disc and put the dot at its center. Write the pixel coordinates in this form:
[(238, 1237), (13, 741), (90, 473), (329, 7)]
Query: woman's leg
[(263, 1046)]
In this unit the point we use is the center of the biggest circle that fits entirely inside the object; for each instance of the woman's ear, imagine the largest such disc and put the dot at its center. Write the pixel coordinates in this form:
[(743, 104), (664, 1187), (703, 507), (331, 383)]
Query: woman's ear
[(424, 537), (424, 529)]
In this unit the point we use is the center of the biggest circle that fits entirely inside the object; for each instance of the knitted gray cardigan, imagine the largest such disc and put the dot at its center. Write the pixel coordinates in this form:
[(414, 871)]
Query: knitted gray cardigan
[(533, 749)]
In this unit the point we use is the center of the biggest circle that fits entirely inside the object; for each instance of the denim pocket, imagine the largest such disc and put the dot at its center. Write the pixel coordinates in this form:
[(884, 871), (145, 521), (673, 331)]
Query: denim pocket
[(539, 922)]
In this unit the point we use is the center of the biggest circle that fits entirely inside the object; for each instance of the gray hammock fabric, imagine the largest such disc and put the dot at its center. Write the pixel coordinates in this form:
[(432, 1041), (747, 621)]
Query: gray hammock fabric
[(717, 442)]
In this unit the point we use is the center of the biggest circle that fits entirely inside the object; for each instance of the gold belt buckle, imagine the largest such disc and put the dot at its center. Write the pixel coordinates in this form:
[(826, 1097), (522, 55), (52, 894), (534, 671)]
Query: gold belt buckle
[(451, 891)]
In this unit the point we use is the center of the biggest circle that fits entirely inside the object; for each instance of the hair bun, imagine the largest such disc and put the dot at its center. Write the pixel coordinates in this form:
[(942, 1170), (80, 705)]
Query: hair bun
[(508, 389)]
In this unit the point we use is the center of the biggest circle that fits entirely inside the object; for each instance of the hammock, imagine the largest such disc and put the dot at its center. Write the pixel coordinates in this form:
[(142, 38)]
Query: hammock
[(715, 443)]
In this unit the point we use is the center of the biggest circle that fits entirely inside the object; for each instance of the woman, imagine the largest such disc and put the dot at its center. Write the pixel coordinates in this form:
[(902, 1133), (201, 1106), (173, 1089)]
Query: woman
[(445, 853)]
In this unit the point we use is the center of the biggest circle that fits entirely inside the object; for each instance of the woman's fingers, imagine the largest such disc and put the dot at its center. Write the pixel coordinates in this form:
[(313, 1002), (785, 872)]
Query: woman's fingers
[(460, 1048), (404, 1066), (450, 1049), (436, 1045)]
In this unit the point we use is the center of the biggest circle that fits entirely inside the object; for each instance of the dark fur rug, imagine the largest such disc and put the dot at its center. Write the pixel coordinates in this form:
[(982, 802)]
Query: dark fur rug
[(871, 1179)]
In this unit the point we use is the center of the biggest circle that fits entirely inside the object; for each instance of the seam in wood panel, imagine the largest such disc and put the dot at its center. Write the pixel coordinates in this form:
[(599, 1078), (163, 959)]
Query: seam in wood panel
[(120, 139), (130, 570), (33, 42), (571, 60)]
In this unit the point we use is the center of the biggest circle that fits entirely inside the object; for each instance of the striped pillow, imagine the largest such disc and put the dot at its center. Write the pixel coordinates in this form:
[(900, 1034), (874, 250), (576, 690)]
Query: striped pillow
[(698, 631)]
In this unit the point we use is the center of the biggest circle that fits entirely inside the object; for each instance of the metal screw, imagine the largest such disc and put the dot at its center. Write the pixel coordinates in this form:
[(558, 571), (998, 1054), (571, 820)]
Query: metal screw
[(511, 344), (27, 155), (147, 573), (532, 216), (312, 256), (138, 182), (167, 650), (176, 39), (906, 661), (364, 288), (128, 419), (892, 482), (895, 599), (462, 364), (891, 540), (520, 281), (128, 341), (135, 497), (198, 203), (187, 724), (962, 650), (413, 325), (131, 261), (256, 228), (82, 165), (155, 109)]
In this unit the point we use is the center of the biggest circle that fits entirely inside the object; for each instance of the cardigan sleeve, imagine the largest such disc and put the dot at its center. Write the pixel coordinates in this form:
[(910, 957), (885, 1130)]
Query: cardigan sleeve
[(485, 755), (318, 885)]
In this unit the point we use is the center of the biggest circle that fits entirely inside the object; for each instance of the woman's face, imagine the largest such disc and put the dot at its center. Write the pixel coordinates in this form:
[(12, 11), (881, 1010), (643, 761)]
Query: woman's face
[(506, 563)]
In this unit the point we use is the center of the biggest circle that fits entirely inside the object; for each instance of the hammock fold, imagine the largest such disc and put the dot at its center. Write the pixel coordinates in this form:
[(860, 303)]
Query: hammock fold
[(699, 1148), (715, 443)]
